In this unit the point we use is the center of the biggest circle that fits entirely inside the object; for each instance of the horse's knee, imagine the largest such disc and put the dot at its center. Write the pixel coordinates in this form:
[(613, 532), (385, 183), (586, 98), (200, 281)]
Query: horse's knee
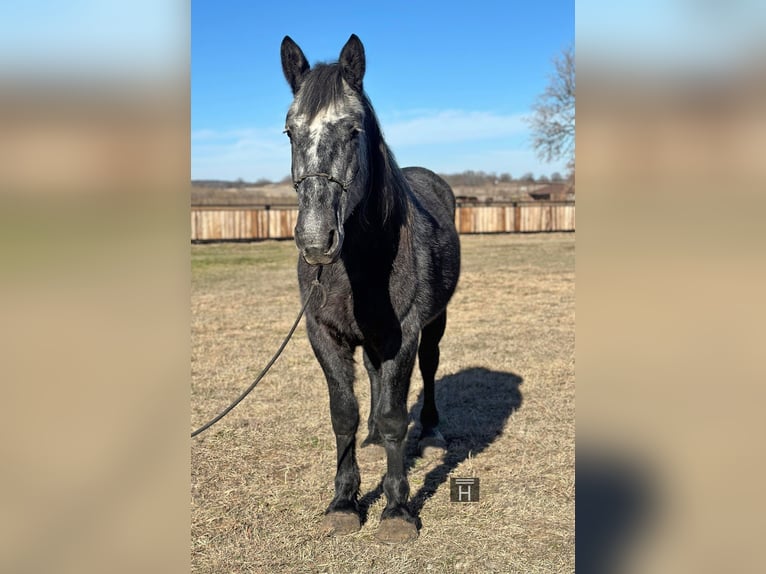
[(344, 416), (345, 426), (392, 423)]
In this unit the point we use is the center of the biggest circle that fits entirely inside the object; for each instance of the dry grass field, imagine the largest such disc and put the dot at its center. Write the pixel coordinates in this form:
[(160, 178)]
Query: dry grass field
[(262, 477)]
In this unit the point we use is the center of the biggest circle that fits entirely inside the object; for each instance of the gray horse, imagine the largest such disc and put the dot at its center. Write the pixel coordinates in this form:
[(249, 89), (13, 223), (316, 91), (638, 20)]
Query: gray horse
[(383, 241)]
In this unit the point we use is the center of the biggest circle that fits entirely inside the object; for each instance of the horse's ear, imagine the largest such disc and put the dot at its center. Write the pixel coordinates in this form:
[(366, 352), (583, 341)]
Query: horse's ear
[(352, 62), (294, 63)]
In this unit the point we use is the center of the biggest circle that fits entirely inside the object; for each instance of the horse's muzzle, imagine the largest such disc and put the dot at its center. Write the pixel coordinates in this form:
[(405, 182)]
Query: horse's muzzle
[(325, 252)]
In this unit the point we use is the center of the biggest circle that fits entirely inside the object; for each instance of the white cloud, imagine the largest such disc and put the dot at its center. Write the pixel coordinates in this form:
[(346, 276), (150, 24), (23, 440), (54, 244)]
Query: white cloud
[(452, 126), (249, 153)]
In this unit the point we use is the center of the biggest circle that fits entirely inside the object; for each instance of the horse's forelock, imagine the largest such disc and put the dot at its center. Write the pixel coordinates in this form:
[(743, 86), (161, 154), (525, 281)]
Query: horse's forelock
[(323, 88)]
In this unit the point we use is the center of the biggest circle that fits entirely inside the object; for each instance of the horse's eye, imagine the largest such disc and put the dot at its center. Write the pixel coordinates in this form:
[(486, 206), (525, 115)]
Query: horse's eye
[(288, 133), (355, 133)]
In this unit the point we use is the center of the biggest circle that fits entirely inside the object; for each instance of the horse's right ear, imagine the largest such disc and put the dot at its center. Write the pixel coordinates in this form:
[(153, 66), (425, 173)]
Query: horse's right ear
[(294, 63)]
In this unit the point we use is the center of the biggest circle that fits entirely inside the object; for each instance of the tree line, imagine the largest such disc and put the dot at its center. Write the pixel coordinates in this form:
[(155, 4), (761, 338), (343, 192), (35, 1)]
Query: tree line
[(468, 178)]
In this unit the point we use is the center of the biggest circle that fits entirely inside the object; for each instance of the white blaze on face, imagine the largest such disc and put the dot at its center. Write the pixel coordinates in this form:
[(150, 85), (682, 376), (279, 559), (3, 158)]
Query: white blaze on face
[(329, 116), (326, 117)]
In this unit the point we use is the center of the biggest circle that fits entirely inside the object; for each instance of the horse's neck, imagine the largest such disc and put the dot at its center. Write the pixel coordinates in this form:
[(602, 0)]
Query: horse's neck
[(390, 188), (373, 232)]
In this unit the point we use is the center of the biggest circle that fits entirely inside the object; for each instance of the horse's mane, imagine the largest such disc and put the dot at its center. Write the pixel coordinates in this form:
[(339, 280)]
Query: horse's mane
[(387, 183), (388, 189)]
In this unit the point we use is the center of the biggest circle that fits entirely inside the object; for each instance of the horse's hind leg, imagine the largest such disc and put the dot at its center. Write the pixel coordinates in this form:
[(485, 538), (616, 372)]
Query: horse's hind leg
[(431, 439), (372, 364)]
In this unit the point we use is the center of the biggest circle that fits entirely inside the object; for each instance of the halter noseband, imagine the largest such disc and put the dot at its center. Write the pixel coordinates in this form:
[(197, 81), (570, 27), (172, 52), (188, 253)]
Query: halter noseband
[(343, 184)]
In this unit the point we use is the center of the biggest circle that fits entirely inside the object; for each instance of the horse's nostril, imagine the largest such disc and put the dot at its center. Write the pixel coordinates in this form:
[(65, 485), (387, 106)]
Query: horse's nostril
[(331, 241)]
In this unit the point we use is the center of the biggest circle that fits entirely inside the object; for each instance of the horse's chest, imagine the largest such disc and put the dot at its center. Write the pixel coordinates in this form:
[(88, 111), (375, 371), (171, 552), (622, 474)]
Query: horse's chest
[(360, 313)]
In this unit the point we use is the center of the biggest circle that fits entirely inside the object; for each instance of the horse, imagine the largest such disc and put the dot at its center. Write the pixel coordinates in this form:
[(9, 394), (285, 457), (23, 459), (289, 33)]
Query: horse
[(381, 244)]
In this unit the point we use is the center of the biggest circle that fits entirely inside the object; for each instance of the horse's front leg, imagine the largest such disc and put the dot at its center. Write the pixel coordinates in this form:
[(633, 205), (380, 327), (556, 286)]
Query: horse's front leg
[(397, 523), (337, 362)]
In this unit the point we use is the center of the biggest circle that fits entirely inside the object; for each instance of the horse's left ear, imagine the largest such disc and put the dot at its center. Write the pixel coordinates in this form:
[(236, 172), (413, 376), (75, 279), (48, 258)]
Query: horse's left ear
[(352, 62)]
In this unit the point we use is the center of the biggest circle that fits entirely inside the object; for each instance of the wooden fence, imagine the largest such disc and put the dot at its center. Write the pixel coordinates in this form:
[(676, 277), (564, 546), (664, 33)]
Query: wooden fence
[(224, 223)]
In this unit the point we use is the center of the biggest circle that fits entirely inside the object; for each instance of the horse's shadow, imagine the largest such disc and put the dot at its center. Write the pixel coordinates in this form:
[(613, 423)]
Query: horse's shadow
[(474, 405)]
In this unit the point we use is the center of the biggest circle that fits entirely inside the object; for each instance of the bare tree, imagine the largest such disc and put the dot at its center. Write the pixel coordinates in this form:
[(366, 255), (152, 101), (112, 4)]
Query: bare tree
[(553, 119)]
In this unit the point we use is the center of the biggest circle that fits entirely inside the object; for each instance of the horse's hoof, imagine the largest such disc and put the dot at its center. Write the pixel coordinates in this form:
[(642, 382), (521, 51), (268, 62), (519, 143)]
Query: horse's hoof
[(396, 531), (432, 444), (340, 523)]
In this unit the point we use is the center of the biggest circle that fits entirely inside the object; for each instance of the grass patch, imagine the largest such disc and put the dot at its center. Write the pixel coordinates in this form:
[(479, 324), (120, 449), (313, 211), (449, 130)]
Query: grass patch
[(216, 255), (263, 476)]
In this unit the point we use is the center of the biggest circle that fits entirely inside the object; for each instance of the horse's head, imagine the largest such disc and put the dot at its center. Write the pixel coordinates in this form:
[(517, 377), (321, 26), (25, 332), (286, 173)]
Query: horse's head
[(330, 160)]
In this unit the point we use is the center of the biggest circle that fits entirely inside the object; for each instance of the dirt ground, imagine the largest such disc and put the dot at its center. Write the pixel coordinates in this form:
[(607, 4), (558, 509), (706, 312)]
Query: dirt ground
[(262, 477)]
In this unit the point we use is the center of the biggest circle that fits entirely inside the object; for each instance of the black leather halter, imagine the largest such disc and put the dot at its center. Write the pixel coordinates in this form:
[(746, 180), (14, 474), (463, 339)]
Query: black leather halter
[(343, 184)]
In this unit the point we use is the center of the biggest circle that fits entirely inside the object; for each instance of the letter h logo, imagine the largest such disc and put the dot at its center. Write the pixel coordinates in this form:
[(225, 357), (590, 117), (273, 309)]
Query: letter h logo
[(464, 489)]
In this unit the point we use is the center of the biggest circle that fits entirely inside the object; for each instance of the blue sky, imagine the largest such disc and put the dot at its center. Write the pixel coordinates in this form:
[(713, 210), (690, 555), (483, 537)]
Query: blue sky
[(450, 82)]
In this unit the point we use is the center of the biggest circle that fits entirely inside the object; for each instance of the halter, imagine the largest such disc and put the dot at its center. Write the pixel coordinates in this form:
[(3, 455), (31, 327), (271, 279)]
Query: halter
[(343, 184)]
